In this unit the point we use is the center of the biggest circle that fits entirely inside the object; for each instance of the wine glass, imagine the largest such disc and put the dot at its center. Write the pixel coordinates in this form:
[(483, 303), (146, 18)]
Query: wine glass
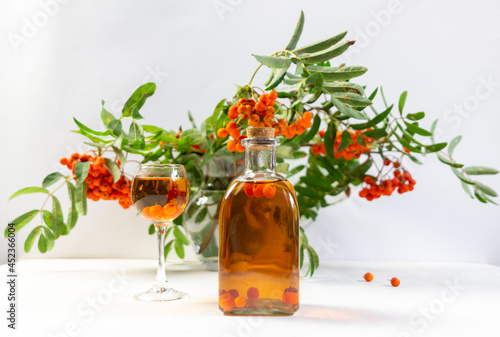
[(160, 193)]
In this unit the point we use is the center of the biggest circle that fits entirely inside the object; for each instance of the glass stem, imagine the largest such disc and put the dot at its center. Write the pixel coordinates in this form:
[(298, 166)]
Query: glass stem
[(161, 277)]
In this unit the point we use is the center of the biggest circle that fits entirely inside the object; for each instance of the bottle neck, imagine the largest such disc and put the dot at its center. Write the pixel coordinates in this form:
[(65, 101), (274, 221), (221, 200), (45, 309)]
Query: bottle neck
[(260, 154)]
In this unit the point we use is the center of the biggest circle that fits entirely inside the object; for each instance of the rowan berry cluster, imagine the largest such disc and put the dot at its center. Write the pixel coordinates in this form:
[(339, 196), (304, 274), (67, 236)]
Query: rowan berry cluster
[(100, 181), (402, 182), (353, 150), (260, 113), (232, 298)]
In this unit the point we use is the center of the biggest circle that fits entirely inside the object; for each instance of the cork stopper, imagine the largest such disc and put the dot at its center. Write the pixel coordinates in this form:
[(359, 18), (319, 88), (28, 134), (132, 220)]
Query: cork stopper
[(260, 132)]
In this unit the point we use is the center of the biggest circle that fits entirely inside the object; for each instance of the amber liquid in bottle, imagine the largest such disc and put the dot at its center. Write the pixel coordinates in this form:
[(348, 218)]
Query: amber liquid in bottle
[(259, 239)]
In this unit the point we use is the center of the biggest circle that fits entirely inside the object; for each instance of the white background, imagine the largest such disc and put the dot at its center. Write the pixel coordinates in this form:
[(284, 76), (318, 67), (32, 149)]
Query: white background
[(441, 52)]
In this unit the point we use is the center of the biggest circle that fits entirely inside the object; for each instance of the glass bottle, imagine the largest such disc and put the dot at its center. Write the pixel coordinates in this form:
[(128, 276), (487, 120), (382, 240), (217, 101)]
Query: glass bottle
[(259, 236)]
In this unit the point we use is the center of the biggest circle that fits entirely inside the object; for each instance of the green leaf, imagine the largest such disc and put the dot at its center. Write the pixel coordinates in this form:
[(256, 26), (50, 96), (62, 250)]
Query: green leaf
[(180, 236), (29, 190), (480, 170), (416, 116), (42, 244), (113, 169), (332, 87), (326, 54), (419, 131), (466, 189), (491, 201), (47, 218), (119, 154), (51, 179), (81, 171), (433, 128), (297, 33), (57, 217), (345, 140), (338, 74), (462, 177), (285, 152), (115, 126), (313, 130), (72, 213), (352, 99), (191, 119), (274, 62), (377, 119), (167, 248), (480, 196), (22, 221), (278, 75), (90, 131), (201, 215), (320, 45), (31, 238), (448, 161), (136, 114), (81, 198), (49, 238), (329, 138), (454, 142), (151, 229), (360, 170), (373, 94), (106, 116), (347, 111), (135, 133), (283, 168), (485, 189), (138, 98), (316, 80), (301, 256), (402, 101), (179, 249), (435, 147), (375, 133)]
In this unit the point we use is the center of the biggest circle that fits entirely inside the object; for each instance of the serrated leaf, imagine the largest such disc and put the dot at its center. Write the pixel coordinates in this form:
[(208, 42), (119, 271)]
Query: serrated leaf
[(113, 169), (326, 54), (81, 198), (480, 170), (138, 98), (448, 161), (31, 238), (320, 45), (21, 221), (296, 33), (454, 142), (402, 102), (52, 179), (179, 235), (57, 217), (81, 171), (29, 190), (274, 62)]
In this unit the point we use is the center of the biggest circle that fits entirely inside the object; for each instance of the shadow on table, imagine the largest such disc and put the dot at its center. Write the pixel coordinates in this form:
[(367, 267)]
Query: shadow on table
[(336, 314)]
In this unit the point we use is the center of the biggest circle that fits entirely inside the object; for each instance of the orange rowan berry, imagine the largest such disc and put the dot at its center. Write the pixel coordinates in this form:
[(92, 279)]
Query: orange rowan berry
[(300, 122), (226, 301), (321, 133), (396, 164), (269, 190), (368, 277), (300, 130), (233, 112), (273, 95), (170, 208), (258, 190), (315, 149), (307, 116), (88, 180), (282, 123), (387, 162), (240, 302), (235, 133), (231, 145), (231, 126), (75, 156), (290, 298), (248, 187), (64, 161), (241, 101), (395, 282), (222, 133), (239, 148)]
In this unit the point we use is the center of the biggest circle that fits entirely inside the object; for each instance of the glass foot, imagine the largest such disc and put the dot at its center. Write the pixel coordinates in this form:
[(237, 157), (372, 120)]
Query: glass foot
[(159, 294)]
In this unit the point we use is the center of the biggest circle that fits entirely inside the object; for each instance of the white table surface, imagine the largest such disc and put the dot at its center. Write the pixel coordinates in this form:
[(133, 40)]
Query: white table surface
[(434, 299)]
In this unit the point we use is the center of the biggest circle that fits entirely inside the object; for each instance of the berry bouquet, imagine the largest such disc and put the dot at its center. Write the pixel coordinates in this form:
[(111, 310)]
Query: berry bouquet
[(334, 140)]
